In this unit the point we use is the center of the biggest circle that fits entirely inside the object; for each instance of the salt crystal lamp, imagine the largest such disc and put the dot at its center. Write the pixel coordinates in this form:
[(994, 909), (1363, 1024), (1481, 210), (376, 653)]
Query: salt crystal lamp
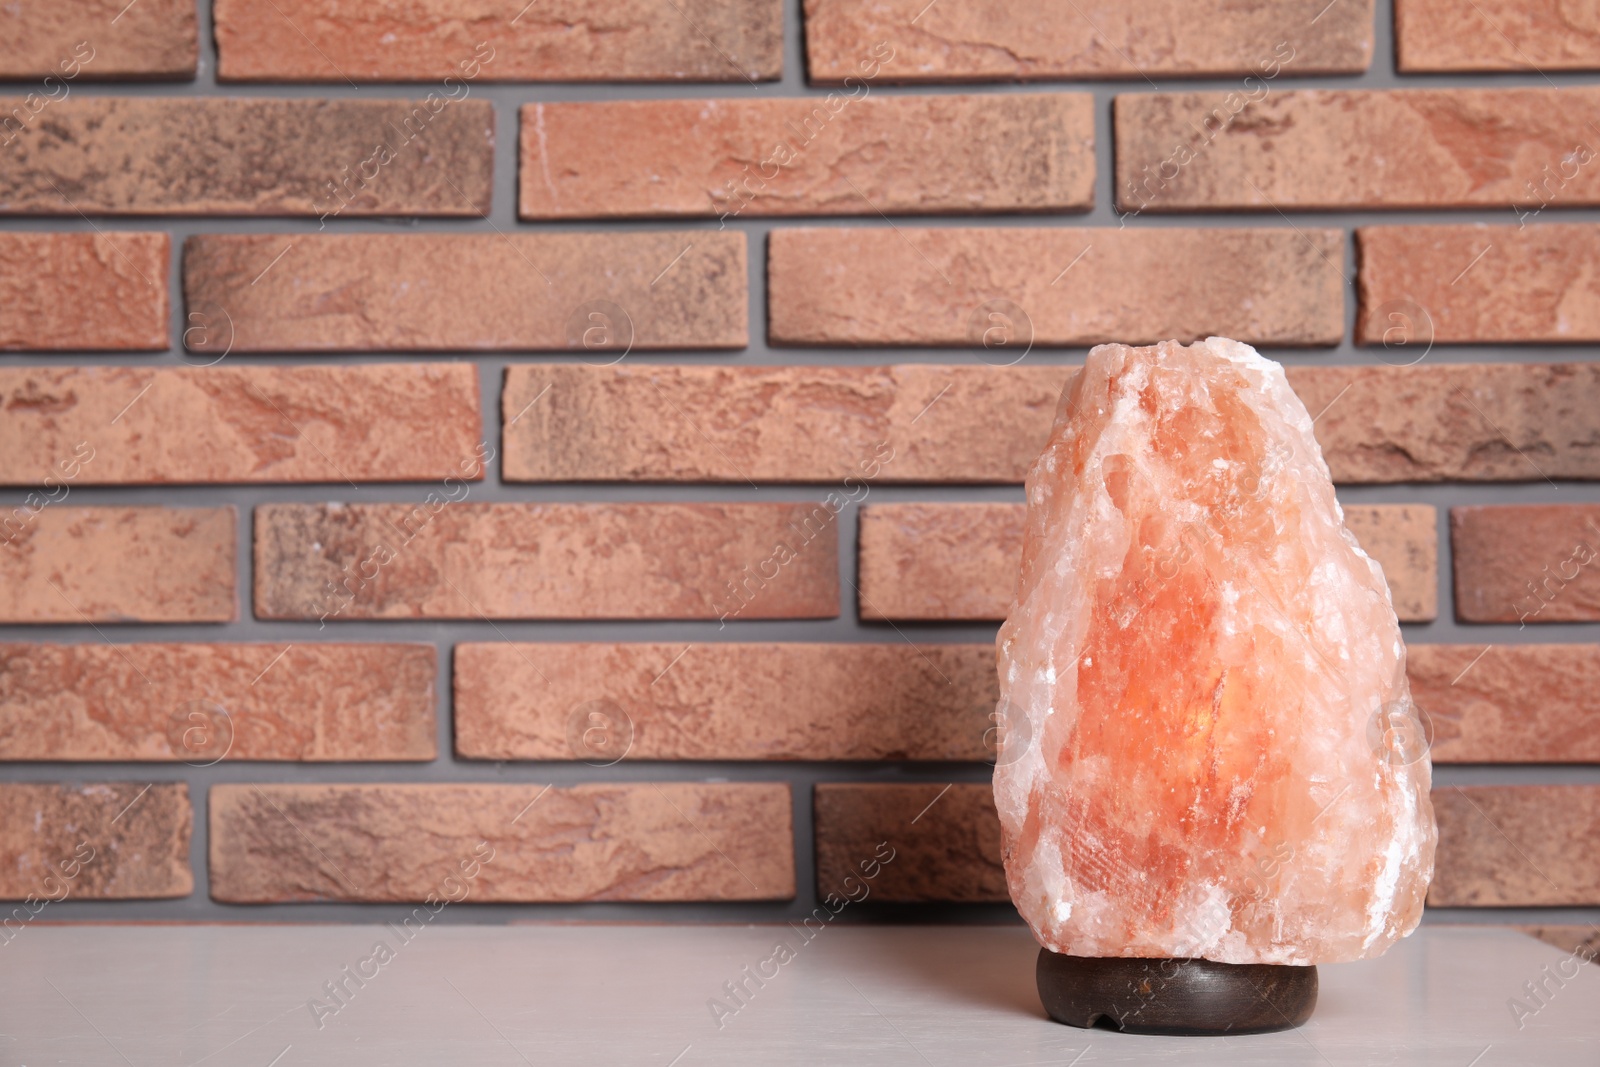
[(1208, 782)]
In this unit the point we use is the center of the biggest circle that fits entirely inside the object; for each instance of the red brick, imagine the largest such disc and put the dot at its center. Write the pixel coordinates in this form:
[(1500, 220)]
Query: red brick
[(546, 561), (1404, 539), (1479, 422), (723, 701), (1509, 703), (958, 562), (1527, 563), (1531, 35), (432, 292), (238, 156), (92, 40), (239, 424), (1324, 149), (1019, 41), (559, 40), (944, 423), (95, 841), (945, 841), (528, 843), (202, 703), (118, 564), (83, 291), (1517, 846), (904, 423), (1073, 286), (842, 154), (939, 562), (947, 423), (1474, 283)]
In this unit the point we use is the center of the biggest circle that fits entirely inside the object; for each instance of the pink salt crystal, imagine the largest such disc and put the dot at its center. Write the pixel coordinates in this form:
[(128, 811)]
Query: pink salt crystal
[(1201, 676)]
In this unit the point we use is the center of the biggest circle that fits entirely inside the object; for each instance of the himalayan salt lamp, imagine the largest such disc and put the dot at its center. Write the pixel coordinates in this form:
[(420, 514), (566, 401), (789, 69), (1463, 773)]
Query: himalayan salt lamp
[(1200, 679)]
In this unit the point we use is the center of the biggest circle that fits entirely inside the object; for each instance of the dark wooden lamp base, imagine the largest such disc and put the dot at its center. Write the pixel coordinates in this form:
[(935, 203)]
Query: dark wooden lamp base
[(1184, 997)]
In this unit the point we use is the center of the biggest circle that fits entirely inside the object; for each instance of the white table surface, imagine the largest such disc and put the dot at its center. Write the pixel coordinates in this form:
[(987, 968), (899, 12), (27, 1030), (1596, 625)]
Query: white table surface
[(148, 995)]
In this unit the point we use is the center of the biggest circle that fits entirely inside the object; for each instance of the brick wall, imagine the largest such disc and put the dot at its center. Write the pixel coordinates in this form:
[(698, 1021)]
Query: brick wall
[(579, 463)]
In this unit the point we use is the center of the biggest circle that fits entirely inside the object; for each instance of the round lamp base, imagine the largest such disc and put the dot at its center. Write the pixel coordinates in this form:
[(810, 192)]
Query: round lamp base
[(1166, 996)]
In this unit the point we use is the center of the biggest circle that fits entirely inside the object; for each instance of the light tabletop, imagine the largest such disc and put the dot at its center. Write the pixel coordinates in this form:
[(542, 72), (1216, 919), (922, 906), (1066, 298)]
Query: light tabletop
[(148, 995)]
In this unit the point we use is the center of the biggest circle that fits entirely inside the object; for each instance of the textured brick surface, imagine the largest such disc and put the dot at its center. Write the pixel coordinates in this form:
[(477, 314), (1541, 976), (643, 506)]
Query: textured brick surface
[(546, 561), (1315, 149), (1509, 703), (1498, 845), (937, 562), (94, 841), (85, 291), (558, 40), (1429, 422), (1517, 845), (1526, 563), (73, 40), (724, 701), (841, 154), (946, 840), (232, 423), (1017, 40), (431, 292), (118, 564), (998, 288), (1490, 422), (873, 425), (654, 517), (1496, 35), (1404, 539), (1478, 283), (202, 703), (623, 841), (238, 156)]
